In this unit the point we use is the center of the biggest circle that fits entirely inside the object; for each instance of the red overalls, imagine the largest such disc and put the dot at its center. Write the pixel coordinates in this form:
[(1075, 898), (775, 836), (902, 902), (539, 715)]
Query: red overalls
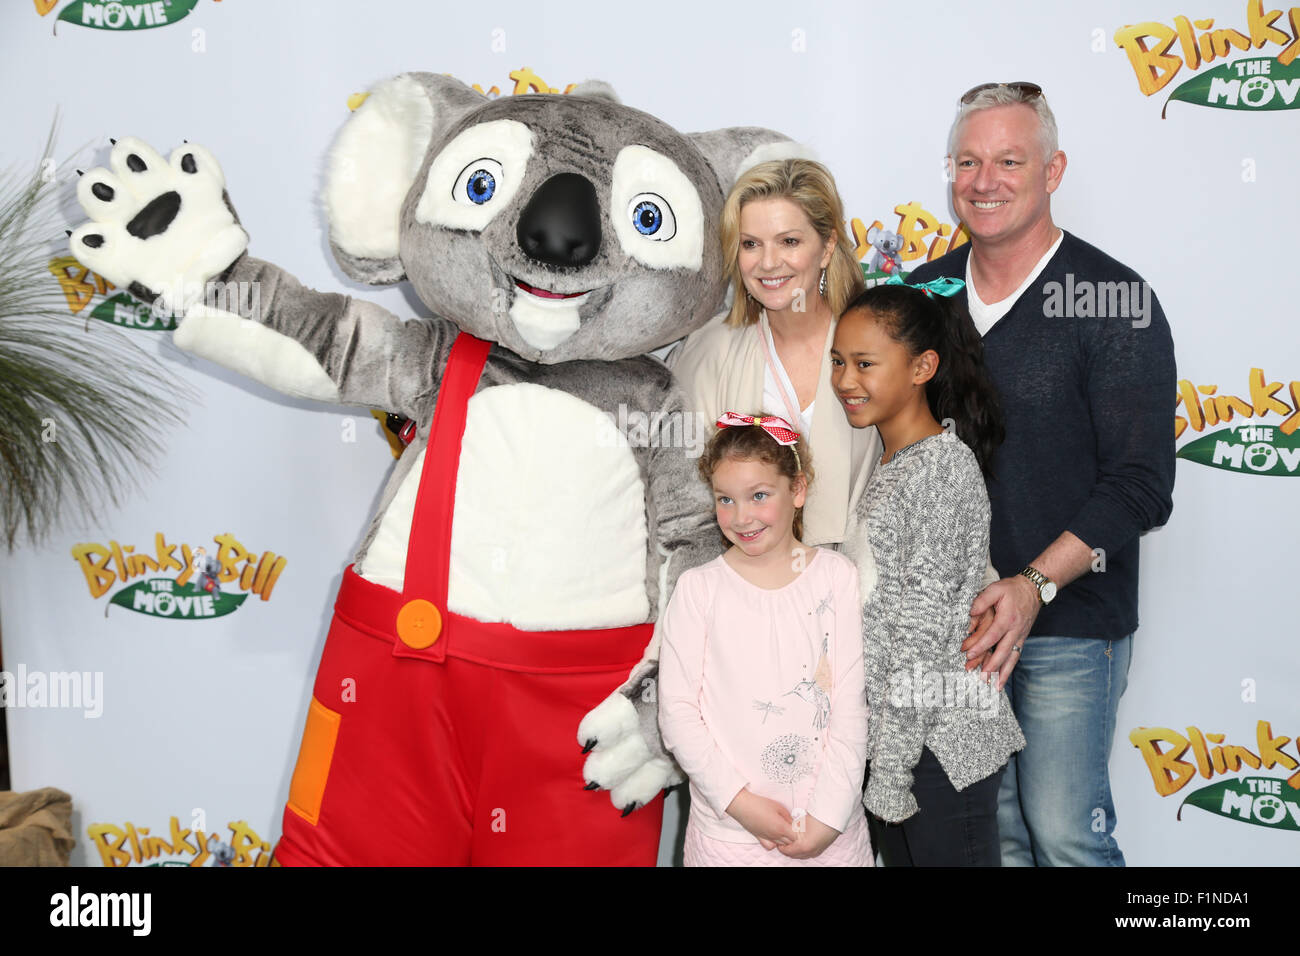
[(435, 739)]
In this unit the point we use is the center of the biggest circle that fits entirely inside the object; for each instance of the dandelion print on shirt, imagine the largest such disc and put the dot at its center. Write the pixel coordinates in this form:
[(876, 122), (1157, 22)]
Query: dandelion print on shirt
[(788, 759)]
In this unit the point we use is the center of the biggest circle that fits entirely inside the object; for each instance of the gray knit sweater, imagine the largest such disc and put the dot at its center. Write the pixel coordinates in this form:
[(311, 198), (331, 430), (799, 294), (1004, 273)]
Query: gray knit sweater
[(919, 536)]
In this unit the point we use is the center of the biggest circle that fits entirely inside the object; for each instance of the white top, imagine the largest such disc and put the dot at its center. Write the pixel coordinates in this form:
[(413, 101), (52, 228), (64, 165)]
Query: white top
[(773, 403), (721, 369), (985, 315)]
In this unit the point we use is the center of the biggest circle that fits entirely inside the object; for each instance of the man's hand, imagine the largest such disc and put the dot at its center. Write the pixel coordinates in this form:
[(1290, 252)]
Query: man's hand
[(813, 837), (1015, 605), (764, 818)]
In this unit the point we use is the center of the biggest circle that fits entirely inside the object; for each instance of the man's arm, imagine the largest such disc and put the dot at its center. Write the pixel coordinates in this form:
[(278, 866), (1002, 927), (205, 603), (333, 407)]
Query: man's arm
[(1015, 604), (1130, 380)]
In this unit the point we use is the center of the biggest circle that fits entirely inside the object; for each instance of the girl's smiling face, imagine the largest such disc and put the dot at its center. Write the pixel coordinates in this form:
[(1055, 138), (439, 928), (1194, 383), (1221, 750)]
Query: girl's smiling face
[(755, 505), (873, 374)]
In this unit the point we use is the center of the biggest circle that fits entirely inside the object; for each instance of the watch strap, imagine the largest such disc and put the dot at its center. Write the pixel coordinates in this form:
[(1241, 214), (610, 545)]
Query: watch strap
[(1037, 578)]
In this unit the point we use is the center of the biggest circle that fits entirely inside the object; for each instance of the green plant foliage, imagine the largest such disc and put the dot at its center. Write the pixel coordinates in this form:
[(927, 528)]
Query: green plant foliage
[(83, 409)]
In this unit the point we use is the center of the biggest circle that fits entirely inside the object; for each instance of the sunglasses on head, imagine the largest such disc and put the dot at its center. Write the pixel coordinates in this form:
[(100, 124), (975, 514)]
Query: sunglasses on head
[(1027, 90)]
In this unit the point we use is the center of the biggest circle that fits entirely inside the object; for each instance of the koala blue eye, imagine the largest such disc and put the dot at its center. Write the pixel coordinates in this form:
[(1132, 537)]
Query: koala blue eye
[(647, 218), (652, 217), (481, 186), (478, 182)]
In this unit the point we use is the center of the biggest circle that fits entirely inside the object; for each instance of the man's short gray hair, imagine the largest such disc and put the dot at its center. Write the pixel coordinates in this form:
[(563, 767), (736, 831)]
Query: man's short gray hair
[(1008, 96)]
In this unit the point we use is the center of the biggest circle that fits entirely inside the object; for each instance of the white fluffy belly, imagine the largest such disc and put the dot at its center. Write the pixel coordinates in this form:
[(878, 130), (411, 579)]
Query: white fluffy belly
[(550, 528)]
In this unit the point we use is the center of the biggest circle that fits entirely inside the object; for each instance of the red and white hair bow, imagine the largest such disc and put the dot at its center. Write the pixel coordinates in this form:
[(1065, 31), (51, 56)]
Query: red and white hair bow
[(776, 426)]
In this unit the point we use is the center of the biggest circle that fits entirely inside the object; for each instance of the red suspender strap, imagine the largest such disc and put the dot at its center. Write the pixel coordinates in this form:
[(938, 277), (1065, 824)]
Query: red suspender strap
[(421, 621)]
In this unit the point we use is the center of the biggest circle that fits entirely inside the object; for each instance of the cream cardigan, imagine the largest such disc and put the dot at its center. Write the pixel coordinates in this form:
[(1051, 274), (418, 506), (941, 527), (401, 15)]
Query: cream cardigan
[(721, 370)]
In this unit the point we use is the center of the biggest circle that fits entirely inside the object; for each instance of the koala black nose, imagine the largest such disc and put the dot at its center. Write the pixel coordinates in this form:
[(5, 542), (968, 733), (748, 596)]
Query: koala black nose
[(560, 226)]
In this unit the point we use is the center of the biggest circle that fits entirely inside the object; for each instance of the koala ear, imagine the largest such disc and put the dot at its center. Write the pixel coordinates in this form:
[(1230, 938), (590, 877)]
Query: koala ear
[(732, 151), (873, 233), (374, 162), (595, 88)]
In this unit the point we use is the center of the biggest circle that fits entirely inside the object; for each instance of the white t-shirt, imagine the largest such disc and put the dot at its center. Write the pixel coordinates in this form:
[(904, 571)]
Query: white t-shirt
[(987, 316), (773, 403)]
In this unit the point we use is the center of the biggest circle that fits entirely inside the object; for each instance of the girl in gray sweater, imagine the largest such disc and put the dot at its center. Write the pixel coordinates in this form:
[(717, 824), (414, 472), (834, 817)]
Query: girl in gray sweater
[(907, 361)]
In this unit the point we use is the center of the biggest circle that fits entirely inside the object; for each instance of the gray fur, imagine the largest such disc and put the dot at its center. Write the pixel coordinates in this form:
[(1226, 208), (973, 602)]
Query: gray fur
[(583, 135), (726, 149), (595, 88), (380, 361), (370, 271), (468, 277)]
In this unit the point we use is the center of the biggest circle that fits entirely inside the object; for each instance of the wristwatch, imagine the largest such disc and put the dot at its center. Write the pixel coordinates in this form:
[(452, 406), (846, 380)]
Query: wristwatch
[(1046, 589)]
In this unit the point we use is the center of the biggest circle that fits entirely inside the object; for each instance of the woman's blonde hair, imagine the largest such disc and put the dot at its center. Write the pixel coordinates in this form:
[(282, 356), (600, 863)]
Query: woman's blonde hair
[(811, 187)]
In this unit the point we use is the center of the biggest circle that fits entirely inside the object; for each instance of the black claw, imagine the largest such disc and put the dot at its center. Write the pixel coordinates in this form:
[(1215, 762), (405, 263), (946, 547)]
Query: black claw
[(68, 231), (629, 808), (81, 172), (590, 743), (113, 141), (592, 786), (185, 141)]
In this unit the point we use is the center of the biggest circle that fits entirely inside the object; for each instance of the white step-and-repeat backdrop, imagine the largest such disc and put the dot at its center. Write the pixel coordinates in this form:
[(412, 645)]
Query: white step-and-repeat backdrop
[(174, 721)]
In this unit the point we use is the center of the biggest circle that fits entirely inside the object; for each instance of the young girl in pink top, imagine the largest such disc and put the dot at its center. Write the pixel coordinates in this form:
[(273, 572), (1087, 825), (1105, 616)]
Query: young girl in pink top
[(762, 697)]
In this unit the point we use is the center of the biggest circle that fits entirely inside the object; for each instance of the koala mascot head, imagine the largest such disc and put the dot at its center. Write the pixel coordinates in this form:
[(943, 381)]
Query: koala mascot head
[(884, 241), (559, 226)]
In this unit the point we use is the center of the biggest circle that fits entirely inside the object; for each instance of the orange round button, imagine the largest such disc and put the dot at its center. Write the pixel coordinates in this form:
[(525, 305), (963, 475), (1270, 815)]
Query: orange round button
[(419, 623)]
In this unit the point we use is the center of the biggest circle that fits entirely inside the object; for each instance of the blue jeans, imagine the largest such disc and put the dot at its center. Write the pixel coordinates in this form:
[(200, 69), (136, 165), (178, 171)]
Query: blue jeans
[(1054, 806)]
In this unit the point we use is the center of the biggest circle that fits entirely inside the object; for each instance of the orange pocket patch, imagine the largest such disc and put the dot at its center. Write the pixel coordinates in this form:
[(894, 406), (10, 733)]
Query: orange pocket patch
[(307, 788)]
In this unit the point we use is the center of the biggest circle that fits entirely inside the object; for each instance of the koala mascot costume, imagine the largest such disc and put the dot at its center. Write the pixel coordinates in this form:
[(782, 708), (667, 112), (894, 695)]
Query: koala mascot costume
[(500, 612)]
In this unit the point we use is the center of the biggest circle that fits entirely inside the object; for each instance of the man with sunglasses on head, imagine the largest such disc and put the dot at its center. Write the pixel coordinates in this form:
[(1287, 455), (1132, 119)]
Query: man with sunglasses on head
[(1084, 364)]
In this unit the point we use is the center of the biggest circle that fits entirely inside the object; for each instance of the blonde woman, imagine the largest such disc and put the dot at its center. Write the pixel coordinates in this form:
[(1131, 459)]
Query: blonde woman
[(792, 272)]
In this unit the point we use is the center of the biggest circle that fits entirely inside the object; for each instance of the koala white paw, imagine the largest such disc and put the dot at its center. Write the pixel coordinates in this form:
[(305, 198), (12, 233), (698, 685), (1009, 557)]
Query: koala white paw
[(161, 223), (621, 760)]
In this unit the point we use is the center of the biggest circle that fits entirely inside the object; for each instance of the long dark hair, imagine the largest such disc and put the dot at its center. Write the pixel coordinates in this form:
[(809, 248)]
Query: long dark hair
[(961, 390)]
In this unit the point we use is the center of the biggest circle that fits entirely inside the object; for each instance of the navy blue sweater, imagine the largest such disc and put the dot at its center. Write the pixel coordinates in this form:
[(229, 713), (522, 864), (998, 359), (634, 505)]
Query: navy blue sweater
[(1088, 396)]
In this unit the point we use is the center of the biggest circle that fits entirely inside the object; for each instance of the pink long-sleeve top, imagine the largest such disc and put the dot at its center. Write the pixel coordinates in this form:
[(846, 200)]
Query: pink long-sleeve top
[(765, 689)]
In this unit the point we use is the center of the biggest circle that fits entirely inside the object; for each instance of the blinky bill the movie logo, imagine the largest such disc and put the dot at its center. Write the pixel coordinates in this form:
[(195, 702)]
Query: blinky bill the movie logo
[(1272, 802), (202, 588), (119, 14), (1264, 448), (130, 845), (1250, 83)]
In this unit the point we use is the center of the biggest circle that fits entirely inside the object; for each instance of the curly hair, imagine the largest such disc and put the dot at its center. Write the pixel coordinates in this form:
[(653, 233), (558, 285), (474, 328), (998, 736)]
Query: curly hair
[(752, 443)]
